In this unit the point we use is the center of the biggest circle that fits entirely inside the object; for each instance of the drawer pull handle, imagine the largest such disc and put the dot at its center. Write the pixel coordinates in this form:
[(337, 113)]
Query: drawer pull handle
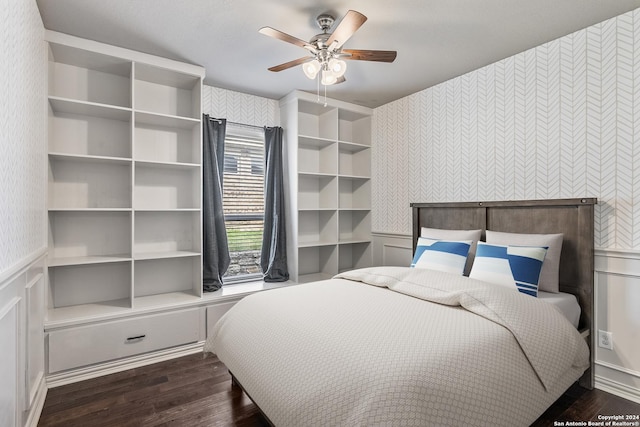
[(137, 338)]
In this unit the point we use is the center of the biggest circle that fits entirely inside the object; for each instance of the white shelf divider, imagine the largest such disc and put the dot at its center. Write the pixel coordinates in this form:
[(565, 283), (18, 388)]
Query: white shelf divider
[(85, 260)]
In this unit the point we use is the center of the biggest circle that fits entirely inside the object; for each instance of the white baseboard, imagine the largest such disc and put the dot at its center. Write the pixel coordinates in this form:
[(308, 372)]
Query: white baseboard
[(94, 371), (619, 389), (38, 403)]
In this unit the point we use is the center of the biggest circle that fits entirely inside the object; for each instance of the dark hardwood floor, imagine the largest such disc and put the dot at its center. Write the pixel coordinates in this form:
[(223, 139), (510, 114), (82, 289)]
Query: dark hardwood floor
[(196, 391)]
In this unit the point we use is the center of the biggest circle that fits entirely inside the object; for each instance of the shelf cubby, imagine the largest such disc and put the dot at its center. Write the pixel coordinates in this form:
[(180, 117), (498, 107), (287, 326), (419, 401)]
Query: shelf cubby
[(354, 193), (354, 160), (354, 127), (89, 237), (354, 226), (317, 228), (163, 143), (163, 91), (318, 121), (317, 192), (82, 129), (77, 182), (166, 187), (317, 155), (354, 255), (317, 262), (166, 235), (89, 76), (92, 284), (166, 276)]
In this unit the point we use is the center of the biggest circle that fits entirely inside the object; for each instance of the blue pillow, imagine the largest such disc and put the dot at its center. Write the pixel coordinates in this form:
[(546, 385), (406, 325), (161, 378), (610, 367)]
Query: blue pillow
[(516, 267), (441, 255)]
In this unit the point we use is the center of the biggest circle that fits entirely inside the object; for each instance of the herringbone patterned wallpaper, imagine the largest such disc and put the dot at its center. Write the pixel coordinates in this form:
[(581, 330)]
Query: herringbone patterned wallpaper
[(556, 121), (240, 107), (23, 67)]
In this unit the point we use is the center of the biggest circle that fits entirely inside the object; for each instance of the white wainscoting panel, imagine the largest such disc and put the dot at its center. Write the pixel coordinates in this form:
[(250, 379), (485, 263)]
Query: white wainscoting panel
[(392, 249), (34, 303), (617, 280), (22, 384), (9, 363)]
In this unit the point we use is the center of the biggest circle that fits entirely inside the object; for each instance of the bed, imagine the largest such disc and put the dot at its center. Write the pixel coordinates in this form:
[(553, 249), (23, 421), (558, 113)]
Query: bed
[(412, 346)]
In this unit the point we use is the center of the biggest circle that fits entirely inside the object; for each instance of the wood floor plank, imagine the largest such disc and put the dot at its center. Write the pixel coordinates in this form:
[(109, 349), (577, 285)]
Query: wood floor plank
[(587, 407), (79, 398), (196, 391), (562, 404), (209, 410)]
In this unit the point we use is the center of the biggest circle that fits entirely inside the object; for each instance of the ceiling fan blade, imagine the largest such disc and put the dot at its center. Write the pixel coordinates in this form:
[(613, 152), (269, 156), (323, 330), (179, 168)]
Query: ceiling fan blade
[(370, 55), (349, 25), (291, 63), (341, 79), (277, 34)]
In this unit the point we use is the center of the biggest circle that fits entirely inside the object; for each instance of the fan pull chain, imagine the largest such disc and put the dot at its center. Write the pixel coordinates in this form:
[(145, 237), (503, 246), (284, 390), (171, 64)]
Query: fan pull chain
[(325, 95)]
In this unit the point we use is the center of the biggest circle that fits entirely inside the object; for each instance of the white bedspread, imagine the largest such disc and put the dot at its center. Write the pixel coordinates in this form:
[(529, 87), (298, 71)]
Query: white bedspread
[(417, 348)]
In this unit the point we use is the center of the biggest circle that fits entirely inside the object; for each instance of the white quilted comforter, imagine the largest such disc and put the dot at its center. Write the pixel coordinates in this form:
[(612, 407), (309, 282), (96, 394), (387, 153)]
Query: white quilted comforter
[(417, 348)]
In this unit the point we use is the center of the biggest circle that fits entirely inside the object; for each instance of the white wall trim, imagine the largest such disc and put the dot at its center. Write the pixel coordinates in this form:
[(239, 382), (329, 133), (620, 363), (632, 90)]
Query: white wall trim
[(619, 369), (20, 266), (6, 309), (617, 388), (623, 262), (94, 371), (389, 245), (131, 55), (38, 403), (618, 253), (393, 235)]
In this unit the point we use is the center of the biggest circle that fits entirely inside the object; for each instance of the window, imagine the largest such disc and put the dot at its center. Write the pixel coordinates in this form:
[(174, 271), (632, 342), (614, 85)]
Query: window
[(243, 200), (230, 164)]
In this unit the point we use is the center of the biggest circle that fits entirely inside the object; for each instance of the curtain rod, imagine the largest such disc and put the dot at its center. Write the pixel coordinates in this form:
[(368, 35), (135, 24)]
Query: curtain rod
[(236, 123)]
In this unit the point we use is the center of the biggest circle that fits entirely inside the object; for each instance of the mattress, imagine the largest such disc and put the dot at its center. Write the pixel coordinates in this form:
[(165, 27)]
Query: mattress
[(399, 346), (567, 304)]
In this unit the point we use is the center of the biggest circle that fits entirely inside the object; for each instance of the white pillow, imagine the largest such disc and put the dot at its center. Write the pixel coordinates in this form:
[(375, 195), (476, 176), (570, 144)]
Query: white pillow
[(455, 235), (441, 255), (550, 274)]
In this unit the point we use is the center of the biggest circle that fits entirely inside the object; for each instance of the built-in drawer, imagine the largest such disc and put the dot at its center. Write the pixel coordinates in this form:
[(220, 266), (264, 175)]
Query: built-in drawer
[(215, 312), (86, 345)]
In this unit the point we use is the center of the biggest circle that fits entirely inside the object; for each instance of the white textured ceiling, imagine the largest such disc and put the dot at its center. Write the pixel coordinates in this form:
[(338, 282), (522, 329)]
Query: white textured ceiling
[(436, 40)]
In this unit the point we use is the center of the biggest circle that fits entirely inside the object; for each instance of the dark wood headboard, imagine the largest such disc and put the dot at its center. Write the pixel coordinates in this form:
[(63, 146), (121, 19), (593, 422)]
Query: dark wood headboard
[(572, 217)]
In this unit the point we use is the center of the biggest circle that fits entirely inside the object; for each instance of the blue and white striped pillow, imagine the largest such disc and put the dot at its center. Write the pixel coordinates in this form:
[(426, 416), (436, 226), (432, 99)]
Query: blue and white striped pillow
[(441, 255), (516, 267)]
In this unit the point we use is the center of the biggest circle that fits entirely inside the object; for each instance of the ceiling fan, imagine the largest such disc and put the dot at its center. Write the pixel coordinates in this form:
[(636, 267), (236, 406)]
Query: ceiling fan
[(326, 53)]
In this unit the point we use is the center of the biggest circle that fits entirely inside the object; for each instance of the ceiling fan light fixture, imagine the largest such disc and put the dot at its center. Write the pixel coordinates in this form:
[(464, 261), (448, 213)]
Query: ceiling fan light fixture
[(326, 49), (311, 69), (337, 67), (328, 78)]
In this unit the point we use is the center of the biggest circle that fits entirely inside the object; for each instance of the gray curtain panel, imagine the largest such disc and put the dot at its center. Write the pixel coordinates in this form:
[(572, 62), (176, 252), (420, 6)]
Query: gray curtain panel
[(273, 258), (215, 254)]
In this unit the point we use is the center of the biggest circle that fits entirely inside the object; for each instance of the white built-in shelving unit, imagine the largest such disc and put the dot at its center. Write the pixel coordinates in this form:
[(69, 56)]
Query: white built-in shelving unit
[(328, 179), (124, 190)]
